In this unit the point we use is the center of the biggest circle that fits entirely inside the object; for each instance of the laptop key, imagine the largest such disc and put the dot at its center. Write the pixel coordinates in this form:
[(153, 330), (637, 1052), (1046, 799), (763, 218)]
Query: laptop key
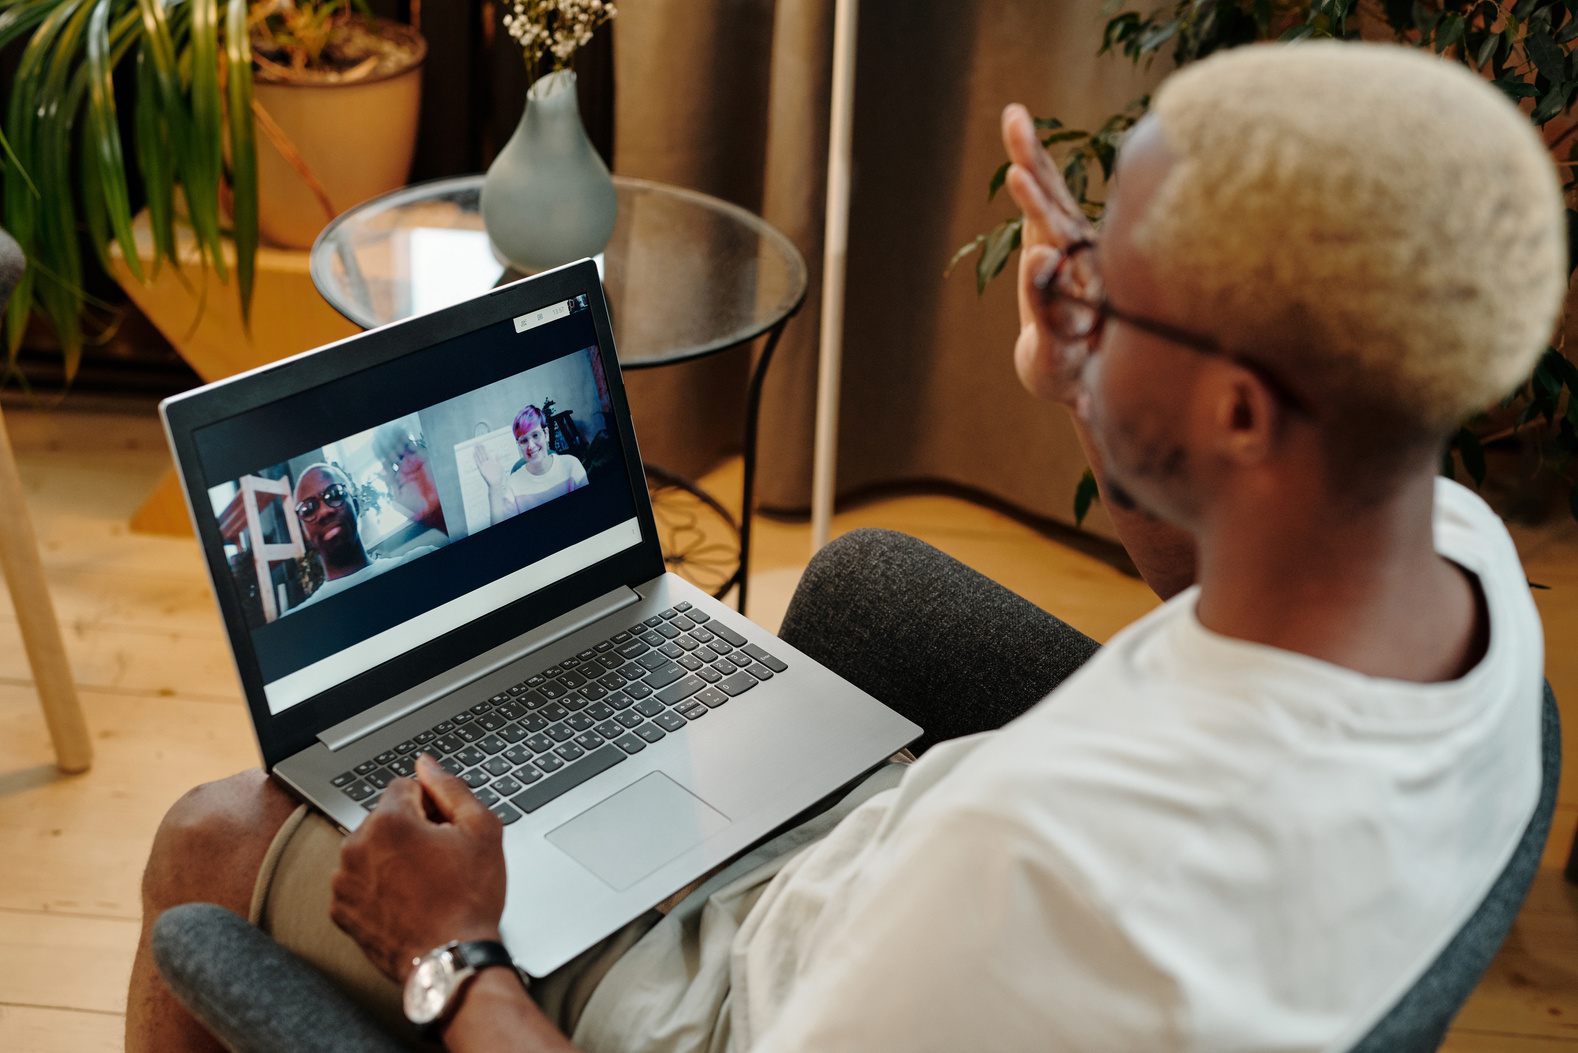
[(349, 776), (444, 727), (378, 778), (372, 802), (763, 657), (511, 710), (451, 765), (682, 607), (611, 681), (701, 635), (475, 777), (595, 763), (539, 743), (684, 641), (687, 662), (638, 689), (358, 790), (683, 624), (619, 638), (650, 732), (759, 671), (496, 766), (518, 755), (698, 616), (671, 650), (549, 763), (468, 733), (487, 795), (552, 689), (629, 718), (670, 614), (506, 786), (406, 747), (609, 729), (448, 743), (619, 700), (712, 697), (501, 697), (424, 738), (711, 676), (599, 711), (386, 756), (492, 721), (737, 684), (668, 631), (630, 742), (632, 671), (535, 722), (631, 649), (481, 708), (470, 755), (669, 721), (574, 702), (462, 717), (652, 622), (586, 655), (534, 700), (553, 711), (651, 639), (610, 661), (649, 707), (535, 681), (589, 740), (651, 660), (571, 681), (559, 733), (551, 672), (604, 646), (664, 675), (491, 744), (570, 752), (693, 710), (678, 691), (526, 775), (579, 721), (569, 664), (405, 766), (506, 814), (512, 733), (728, 634)]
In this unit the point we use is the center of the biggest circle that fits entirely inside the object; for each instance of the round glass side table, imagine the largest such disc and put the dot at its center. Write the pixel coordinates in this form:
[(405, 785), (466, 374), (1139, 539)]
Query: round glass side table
[(686, 275)]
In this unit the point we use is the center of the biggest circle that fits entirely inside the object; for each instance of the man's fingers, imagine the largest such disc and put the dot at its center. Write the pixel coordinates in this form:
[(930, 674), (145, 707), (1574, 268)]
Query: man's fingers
[(1058, 225), (1025, 150), (450, 794)]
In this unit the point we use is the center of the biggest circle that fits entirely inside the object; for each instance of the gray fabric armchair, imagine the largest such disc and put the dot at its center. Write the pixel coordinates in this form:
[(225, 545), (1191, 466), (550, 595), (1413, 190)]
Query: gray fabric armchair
[(257, 997)]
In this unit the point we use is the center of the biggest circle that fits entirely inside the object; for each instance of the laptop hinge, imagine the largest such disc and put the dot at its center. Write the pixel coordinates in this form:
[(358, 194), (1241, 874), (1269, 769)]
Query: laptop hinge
[(385, 713)]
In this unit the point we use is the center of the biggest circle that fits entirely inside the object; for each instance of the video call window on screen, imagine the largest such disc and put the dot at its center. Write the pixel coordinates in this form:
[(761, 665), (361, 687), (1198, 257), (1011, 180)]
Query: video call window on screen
[(303, 531)]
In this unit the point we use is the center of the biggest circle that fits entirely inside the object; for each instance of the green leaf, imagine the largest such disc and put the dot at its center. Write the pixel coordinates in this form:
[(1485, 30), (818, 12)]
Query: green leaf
[(243, 152), (1297, 33), (963, 251), (205, 146), (1046, 124), (1074, 175), (1546, 55), (1118, 30), (1488, 49), (999, 245), (1553, 103), (1450, 32), (153, 159), (1516, 89), (1063, 137), (1473, 455), (1085, 493), (1425, 19), (1157, 34), (998, 178), (103, 140)]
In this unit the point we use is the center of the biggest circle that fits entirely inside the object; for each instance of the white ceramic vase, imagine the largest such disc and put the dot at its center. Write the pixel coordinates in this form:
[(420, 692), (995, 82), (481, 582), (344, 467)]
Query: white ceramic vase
[(548, 198)]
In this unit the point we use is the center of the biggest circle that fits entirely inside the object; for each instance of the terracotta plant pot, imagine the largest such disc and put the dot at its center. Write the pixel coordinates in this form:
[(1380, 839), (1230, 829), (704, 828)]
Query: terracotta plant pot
[(356, 138)]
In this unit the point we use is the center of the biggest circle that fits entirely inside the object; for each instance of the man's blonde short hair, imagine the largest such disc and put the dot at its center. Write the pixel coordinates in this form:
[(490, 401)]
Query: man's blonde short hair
[(1372, 219)]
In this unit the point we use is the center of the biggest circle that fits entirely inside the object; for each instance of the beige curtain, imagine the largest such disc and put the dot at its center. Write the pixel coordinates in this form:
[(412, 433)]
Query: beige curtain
[(731, 97)]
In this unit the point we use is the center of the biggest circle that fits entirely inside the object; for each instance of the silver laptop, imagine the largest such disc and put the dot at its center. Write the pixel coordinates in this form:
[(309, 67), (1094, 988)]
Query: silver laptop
[(436, 536)]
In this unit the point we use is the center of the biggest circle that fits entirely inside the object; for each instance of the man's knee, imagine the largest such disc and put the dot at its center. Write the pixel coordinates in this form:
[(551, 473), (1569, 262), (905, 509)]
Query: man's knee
[(212, 841)]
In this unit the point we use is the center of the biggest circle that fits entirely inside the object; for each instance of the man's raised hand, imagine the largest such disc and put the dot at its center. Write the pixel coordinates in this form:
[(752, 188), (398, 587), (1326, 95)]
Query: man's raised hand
[(425, 868), (1047, 366)]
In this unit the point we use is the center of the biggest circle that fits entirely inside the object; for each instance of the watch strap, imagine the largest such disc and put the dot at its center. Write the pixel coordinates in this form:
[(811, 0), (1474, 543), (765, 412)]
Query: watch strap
[(482, 954)]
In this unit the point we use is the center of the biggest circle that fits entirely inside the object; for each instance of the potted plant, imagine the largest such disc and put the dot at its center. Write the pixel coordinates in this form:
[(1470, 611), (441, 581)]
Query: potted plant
[(1524, 47), (337, 97), (190, 68)]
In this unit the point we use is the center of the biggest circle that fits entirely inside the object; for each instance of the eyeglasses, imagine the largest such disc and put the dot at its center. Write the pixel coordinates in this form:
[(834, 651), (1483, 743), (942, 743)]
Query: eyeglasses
[(409, 448), (334, 496), (1078, 309)]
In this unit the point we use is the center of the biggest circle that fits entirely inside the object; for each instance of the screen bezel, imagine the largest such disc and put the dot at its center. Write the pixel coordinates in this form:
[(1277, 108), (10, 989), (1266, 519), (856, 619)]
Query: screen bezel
[(283, 734)]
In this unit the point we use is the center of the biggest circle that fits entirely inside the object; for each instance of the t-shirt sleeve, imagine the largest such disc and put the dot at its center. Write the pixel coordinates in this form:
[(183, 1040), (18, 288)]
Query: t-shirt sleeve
[(960, 938), (577, 473)]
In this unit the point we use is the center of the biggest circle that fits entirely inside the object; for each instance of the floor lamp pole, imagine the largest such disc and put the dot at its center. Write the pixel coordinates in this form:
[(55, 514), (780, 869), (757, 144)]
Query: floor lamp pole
[(835, 247)]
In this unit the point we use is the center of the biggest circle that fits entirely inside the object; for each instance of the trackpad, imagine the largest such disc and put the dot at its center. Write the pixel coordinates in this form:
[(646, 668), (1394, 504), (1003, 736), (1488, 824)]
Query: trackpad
[(638, 829)]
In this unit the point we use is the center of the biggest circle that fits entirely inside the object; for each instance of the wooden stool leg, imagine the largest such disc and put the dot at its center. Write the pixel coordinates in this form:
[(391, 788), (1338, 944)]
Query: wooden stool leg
[(46, 653)]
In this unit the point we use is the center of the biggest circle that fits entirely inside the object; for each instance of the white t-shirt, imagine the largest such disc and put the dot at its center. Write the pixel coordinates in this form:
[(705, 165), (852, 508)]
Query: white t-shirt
[(1195, 843), (375, 566), (563, 475)]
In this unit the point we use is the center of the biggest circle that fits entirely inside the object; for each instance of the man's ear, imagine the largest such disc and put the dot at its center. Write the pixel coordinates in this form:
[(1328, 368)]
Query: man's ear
[(1246, 415)]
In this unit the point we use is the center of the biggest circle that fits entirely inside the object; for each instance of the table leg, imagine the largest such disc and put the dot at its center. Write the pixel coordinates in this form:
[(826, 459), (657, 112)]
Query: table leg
[(35, 615), (753, 407)]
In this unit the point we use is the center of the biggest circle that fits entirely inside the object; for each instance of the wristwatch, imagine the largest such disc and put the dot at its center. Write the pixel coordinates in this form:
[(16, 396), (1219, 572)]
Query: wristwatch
[(440, 977)]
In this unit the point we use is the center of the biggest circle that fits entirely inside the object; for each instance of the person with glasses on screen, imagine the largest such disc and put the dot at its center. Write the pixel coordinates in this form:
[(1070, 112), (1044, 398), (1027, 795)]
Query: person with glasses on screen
[(327, 509), (1255, 817)]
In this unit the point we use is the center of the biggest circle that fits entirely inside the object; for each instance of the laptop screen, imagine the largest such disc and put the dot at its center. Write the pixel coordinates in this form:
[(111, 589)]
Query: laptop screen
[(373, 514)]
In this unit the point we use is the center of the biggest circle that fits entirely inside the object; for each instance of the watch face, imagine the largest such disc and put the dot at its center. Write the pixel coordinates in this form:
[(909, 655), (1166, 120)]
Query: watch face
[(428, 987)]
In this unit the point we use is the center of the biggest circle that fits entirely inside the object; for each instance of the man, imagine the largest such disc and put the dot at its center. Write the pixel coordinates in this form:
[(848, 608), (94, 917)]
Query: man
[(1253, 819), (327, 509)]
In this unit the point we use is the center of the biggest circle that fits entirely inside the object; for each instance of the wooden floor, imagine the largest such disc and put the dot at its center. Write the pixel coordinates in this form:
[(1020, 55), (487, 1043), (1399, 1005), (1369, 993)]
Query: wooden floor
[(165, 711)]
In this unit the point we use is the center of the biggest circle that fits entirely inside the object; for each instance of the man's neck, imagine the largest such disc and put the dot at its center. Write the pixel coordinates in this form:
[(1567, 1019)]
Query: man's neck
[(354, 561), (1358, 586)]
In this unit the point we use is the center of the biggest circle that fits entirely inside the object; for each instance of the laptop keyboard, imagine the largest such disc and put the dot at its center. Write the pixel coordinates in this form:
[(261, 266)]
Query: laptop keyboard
[(553, 731)]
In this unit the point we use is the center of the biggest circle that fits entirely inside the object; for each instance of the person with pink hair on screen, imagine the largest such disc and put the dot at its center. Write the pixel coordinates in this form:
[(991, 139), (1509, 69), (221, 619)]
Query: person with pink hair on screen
[(540, 476)]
